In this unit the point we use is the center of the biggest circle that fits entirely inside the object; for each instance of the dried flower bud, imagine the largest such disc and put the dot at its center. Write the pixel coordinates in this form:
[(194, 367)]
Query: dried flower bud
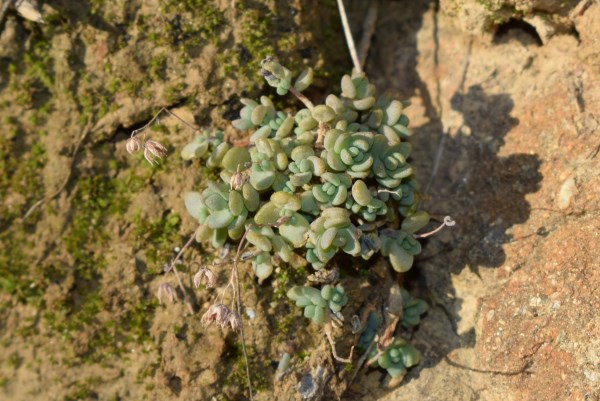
[(165, 290), (271, 79), (154, 151), (205, 276), (216, 313), (133, 145), (238, 179), (235, 321)]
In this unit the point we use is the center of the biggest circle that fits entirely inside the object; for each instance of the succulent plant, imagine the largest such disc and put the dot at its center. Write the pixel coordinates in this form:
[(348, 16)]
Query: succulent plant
[(305, 166), (329, 178), (201, 145), (363, 203), (369, 331), (357, 92), (318, 304), (397, 357), (335, 296), (400, 247), (333, 191), (330, 233), (413, 308), (276, 75), (349, 152), (387, 118)]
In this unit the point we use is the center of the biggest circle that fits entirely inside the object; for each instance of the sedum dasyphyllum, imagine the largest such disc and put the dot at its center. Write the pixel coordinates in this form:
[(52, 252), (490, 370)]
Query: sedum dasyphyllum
[(327, 179), (330, 178)]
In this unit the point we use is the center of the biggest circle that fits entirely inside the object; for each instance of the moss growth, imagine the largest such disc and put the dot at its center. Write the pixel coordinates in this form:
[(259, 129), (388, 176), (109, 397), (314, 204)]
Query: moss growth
[(173, 92), (188, 24), (237, 367), (158, 66), (20, 180), (31, 78), (157, 237)]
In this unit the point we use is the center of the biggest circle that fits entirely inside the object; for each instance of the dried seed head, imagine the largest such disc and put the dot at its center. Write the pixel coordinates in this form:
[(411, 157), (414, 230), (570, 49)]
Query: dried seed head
[(133, 145), (217, 314), (204, 276), (166, 291), (154, 151), (237, 180), (235, 321)]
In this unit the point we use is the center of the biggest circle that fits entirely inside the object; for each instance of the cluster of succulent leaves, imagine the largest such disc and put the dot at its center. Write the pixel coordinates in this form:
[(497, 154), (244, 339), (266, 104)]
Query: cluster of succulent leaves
[(329, 178), (318, 304), (397, 357), (326, 179), (413, 308)]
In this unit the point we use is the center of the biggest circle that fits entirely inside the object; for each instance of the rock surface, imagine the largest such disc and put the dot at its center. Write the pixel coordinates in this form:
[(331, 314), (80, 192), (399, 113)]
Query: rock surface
[(506, 142), (509, 132)]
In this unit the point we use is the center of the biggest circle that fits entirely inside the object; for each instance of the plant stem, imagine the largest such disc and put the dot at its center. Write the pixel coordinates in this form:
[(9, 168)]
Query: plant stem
[(239, 308), (447, 222), (309, 105), (174, 268), (349, 38), (164, 109)]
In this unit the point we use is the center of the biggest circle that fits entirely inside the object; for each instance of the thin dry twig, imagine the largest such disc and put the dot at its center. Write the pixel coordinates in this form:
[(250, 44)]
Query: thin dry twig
[(349, 38), (163, 110), (173, 266), (239, 307), (309, 105)]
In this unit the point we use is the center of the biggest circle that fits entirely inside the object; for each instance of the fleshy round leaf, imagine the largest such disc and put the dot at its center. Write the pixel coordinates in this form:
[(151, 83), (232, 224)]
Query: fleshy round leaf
[(193, 204), (268, 214), (194, 150), (361, 193), (396, 369), (220, 219), (304, 80), (319, 315), (251, 197), (348, 89), (400, 259), (236, 203), (263, 271), (285, 200), (294, 231), (415, 222), (255, 238), (323, 113), (235, 159)]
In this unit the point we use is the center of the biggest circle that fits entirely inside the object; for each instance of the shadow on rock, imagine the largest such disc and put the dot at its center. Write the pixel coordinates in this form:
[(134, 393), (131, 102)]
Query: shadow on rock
[(462, 173)]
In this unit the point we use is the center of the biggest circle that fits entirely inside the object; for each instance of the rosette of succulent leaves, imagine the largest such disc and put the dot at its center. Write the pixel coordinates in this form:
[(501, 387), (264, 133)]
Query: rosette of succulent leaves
[(330, 178)]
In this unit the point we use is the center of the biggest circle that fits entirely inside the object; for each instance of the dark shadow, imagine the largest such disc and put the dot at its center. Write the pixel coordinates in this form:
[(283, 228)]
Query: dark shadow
[(519, 30), (74, 12), (482, 191)]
